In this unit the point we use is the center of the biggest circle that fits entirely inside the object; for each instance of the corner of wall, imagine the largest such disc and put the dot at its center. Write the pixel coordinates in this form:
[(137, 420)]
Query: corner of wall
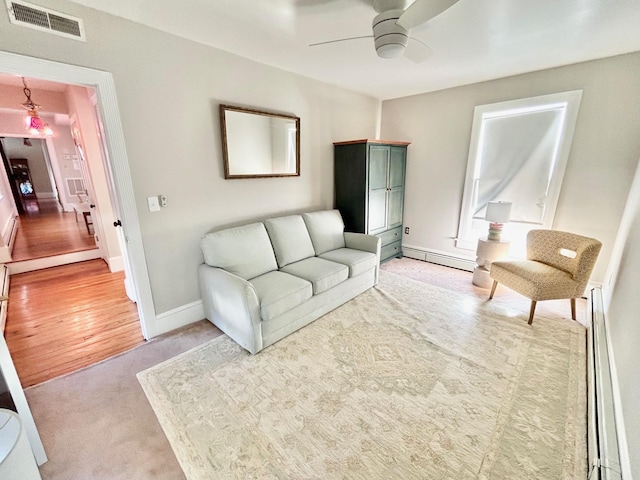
[(179, 317), (379, 119)]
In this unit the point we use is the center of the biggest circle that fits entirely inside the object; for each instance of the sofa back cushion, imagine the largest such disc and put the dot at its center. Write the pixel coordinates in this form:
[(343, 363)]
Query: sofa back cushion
[(326, 229), (244, 251), (290, 239)]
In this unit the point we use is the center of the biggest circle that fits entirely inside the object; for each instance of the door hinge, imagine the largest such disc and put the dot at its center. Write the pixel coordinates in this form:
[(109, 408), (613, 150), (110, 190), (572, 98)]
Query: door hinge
[(117, 223)]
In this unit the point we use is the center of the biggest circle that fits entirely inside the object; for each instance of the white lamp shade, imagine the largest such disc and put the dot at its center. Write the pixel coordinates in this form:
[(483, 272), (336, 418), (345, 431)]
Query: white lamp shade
[(498, 212)]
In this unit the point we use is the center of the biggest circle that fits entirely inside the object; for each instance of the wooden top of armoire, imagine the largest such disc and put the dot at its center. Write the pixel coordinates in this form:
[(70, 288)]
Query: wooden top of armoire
[(365, 140)]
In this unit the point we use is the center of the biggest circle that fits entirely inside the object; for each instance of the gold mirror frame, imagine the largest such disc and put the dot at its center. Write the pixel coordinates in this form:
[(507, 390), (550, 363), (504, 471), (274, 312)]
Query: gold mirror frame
[(258, 143)]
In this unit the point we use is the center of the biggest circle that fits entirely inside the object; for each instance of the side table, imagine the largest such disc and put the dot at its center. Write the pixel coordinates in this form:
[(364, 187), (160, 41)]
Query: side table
[(488, 251)]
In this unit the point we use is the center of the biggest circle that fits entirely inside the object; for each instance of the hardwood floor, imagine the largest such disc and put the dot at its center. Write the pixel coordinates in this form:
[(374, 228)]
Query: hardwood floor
[(65, 318), (460, 281), (45, 230)]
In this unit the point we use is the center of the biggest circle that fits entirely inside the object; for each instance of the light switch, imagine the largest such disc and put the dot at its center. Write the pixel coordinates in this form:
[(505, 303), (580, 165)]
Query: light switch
[(154, 205)]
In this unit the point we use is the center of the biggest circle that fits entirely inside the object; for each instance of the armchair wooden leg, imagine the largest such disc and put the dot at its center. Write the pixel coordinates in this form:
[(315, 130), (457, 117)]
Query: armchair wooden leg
[(573, 308), (493, 289), (531, 310)]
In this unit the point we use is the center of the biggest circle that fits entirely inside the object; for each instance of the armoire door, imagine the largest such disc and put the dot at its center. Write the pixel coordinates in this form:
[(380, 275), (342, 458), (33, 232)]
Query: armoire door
[(378, 188), (395, 206)]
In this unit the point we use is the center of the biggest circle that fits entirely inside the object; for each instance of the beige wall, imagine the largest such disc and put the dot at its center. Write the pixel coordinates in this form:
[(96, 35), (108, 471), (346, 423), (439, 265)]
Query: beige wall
[(601, 164), (168, 92)]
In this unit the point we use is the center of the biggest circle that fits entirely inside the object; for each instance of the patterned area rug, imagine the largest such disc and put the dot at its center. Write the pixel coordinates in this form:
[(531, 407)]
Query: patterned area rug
[(406, 381)]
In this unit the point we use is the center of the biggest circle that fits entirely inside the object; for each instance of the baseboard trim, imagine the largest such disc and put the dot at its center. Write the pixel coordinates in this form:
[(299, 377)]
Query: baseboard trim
[(116, 264), (604, 416), (179, 317), (8, 238), (447, 259), (56, 261)]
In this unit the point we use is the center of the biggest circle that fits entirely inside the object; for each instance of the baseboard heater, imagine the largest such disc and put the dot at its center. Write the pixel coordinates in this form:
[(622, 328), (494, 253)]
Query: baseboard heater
[(604, 454), (439, 258)]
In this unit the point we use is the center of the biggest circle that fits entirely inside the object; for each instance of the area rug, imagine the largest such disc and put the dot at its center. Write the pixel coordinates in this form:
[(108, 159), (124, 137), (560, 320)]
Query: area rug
[(406, 381)]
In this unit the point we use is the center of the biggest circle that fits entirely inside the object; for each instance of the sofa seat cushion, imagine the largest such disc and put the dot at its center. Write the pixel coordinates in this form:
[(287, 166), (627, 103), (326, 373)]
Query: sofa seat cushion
[(290, 239), (279, 292), (322, 273), (326, 229), (357, 260), (244, 251)]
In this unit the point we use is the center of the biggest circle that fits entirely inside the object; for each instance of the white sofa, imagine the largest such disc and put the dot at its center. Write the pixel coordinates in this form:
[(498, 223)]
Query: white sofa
[(262, 281)]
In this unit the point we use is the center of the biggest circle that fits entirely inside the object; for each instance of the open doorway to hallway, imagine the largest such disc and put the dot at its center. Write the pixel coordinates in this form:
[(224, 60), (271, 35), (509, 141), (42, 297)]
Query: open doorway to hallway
[(62, 315), (43, 228)]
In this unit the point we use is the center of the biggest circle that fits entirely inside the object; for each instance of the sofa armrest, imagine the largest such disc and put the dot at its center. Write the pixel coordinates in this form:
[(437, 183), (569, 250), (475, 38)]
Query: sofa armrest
[(231, 303), (361, 241), (367, 243)]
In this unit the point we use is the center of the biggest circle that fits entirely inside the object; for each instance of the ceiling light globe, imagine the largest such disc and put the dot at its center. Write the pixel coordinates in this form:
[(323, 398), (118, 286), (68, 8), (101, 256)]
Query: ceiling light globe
[(390, 50)]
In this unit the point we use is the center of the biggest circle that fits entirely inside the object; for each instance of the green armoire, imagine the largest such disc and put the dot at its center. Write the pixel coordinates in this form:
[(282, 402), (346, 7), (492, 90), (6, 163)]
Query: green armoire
[(369, 189)]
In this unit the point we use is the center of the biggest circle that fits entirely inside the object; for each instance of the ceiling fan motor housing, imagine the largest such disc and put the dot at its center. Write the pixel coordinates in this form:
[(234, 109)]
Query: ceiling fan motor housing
[(390, 38)]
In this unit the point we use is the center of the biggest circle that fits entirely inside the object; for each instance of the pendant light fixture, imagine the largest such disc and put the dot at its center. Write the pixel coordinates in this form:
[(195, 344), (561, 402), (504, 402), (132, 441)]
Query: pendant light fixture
[(33, 122)]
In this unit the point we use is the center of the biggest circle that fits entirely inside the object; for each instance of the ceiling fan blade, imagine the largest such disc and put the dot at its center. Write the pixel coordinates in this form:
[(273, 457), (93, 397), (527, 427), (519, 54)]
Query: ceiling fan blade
[(339, 40), (417, 51), (422, 11)]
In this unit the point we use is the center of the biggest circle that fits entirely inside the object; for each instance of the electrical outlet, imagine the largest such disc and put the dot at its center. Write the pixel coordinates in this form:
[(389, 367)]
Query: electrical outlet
[(163, 200), (406, 230)]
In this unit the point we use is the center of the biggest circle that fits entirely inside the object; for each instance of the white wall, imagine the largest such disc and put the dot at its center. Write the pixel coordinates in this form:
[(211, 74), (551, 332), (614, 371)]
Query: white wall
[(67, 161), (601, 164), (12, 97), (169, 90), (622, 307), (7, 213), (82, 109)]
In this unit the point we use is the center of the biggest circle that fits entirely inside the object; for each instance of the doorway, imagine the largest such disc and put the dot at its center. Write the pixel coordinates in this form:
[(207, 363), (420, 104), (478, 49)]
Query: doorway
[(118, 166), (43, 227), (54, 180), (125, 207)]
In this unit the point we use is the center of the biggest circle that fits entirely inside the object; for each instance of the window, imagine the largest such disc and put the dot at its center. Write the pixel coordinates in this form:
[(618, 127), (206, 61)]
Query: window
[(518, 153)]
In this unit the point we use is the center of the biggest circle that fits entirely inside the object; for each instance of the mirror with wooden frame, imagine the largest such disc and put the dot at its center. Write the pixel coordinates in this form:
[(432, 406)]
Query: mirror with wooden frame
[(258, 143)]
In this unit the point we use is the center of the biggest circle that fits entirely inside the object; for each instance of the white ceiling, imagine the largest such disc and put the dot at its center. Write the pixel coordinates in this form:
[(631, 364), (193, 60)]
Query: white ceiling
[(474, 40), (32, 83)]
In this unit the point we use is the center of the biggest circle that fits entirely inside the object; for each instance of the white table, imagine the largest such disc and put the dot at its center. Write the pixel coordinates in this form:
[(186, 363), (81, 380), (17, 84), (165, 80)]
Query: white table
[(488, 251)]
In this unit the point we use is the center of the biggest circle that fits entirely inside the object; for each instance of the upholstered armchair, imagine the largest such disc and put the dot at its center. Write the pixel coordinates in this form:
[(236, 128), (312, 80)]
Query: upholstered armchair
[(558, 265)]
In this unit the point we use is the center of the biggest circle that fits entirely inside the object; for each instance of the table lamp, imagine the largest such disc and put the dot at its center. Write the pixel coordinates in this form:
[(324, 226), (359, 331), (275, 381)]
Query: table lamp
[(498, 213)]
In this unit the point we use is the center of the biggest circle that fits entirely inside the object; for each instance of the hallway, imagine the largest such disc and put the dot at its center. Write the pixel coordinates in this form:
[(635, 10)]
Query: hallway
[(64, 318), (44, 230)]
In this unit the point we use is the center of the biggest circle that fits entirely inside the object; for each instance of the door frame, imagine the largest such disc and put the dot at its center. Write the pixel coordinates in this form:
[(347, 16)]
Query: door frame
[(117, 158)]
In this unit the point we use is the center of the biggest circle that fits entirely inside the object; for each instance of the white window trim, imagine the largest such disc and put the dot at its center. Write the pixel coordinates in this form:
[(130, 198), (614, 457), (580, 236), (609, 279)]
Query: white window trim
[(572, 99)]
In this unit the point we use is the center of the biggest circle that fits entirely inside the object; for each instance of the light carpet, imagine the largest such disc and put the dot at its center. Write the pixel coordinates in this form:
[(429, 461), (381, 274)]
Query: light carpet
[(405, 381)]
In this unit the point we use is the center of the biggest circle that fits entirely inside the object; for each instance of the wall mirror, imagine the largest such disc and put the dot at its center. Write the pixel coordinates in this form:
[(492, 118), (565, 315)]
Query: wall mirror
[(258, 143)]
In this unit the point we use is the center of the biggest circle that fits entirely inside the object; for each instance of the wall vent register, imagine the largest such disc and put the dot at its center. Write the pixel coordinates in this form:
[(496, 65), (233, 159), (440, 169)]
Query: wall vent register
[(46, 20)]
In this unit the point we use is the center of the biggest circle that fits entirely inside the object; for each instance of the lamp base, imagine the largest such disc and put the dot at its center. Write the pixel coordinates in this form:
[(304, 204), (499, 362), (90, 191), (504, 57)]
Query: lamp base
[(495, 230)]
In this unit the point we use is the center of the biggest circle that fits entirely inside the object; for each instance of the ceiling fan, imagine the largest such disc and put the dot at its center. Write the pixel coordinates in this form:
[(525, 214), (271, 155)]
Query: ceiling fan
[(392, 25)]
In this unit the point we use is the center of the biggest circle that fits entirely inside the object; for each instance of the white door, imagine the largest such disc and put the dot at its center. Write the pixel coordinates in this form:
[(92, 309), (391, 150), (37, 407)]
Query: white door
[(129, 285), (88, 185)]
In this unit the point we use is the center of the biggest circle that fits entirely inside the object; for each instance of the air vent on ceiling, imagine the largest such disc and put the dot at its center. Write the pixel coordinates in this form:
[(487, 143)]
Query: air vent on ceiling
[(43, 19)]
